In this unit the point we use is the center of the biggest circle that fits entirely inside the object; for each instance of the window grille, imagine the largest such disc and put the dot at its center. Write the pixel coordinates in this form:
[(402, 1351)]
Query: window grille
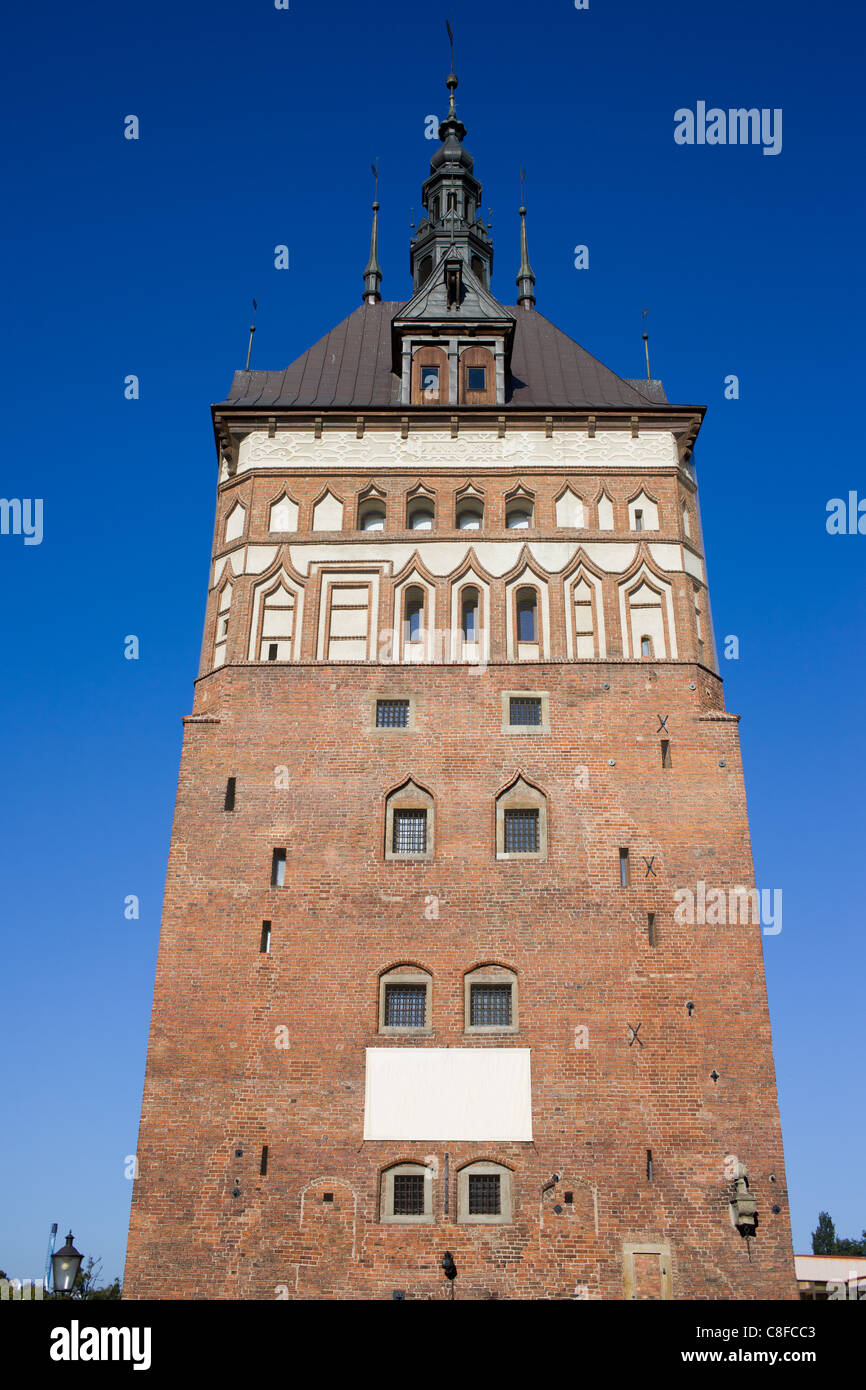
[(525, 709), (521, 832), (408, 1194), (392, 714), (484, 1194), (410, 832), (490, 1006), (405, 1006)]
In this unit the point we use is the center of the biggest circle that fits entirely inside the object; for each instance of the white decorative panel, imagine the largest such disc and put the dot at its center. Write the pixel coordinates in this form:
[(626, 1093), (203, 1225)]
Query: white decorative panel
[(649, 513), (448, 1093), (284, 515), (605, 513), (340, 449), (570, 510), (328, 513), (235, 522)]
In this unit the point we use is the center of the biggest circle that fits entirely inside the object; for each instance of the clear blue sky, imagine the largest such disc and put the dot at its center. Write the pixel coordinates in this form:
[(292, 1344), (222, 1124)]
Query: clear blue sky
[(258, 127)]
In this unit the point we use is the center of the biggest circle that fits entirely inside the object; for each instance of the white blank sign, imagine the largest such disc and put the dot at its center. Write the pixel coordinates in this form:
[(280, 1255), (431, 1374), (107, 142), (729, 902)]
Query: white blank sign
[(448, 1093)]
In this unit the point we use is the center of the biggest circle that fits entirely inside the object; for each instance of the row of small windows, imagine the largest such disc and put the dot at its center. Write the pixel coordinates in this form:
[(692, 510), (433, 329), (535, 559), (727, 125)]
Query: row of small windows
[(489, 1000), (484, 1195), (469, 514), (521, 826), (459, 626)]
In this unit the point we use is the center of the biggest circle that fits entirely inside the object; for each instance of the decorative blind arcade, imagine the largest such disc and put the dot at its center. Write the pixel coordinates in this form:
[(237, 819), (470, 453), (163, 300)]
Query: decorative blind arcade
[(348, 622), (278, 625)]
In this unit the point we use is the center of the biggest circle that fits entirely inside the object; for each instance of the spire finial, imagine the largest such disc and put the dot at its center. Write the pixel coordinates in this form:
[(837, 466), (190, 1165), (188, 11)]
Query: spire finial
[(451, 79), (373, 273), (525, 277), (643, 314)]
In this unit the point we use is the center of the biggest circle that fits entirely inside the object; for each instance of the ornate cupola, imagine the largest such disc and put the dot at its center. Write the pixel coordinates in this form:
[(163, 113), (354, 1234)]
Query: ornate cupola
[(452, 341), (452, 203)]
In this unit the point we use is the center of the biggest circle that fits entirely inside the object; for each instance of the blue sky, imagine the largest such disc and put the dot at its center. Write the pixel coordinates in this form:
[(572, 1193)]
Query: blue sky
[(258, 127)]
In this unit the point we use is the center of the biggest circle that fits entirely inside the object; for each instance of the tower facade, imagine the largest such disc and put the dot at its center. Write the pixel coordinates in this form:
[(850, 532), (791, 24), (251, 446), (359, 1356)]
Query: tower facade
[(437, 969)]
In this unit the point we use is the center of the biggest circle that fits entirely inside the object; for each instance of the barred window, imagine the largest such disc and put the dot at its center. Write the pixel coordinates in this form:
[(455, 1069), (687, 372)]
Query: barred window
[(521, 832), (410, 832), (490, 1006), (408, 1194), (392, 714), (405, 1006), (525, 709), (484, 1194)]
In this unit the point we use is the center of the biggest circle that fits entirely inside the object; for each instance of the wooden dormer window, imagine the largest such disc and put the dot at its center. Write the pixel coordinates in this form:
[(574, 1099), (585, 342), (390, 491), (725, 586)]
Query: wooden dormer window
[(477, 376), (430, 376)]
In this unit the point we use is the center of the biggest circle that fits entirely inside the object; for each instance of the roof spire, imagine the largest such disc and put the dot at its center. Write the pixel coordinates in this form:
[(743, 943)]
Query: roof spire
[(451, 79), (373, 272), (525, 276)]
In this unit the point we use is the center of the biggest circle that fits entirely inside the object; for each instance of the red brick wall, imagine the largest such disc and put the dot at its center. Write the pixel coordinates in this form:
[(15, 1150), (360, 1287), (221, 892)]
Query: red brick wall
[(216, 1081)]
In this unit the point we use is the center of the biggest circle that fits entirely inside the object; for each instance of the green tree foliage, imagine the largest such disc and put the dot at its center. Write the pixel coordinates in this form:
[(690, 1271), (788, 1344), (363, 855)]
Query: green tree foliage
[(826, 1242)]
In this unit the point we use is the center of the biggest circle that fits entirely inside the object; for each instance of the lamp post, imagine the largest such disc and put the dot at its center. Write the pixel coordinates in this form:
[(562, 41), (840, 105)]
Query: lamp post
[(65, 1264)]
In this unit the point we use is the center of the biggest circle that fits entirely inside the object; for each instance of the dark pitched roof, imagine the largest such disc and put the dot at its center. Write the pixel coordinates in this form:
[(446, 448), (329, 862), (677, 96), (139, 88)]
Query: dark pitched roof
[(351, 367)]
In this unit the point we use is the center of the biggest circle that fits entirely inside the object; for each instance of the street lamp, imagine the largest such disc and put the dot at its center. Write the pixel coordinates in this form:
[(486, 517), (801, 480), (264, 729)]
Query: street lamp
[(65, 1265)]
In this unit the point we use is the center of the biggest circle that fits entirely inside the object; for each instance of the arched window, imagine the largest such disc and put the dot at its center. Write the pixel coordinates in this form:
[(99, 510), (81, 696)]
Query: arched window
[(420, 514), (646, 646), (371, 515), (477, 376), (521, 822), (425, 269), (518, 515), (404, 1000), (469, 615), (430, 376), (409, 823), (687, 526), (470, 515), (490, 1000), (527, 615), (413, 615), (484, 1194), (407, 1195)]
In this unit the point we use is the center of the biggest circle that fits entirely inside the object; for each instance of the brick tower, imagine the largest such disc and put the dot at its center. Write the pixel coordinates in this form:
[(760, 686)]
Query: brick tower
[(458, 756)]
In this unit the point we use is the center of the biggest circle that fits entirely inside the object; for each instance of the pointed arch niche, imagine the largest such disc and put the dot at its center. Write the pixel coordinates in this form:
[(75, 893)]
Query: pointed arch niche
[(275, 624), (224, 601), (570, 510), (585, 637), (527, 616), (415, 617), (328, 512), (643, 513), (647, 616), (470, 616), (283, 513)]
